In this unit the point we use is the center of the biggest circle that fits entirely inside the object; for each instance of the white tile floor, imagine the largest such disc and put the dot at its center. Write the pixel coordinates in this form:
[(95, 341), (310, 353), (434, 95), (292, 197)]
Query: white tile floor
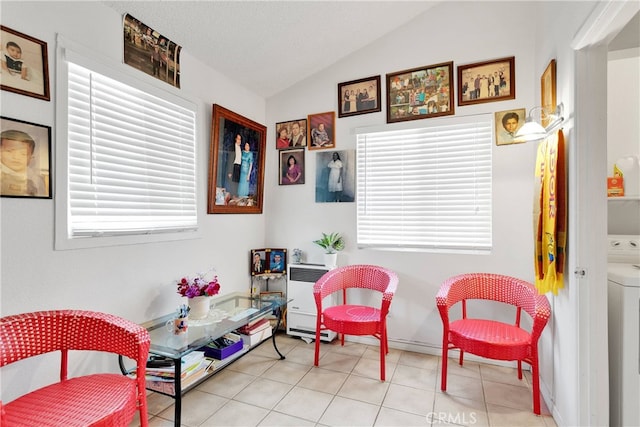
[(345, 390)]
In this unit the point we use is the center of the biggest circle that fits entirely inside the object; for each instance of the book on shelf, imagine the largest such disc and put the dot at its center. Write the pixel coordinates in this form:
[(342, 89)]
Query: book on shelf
[(258, 326), (258, 336), (189, 363), (167, 385)]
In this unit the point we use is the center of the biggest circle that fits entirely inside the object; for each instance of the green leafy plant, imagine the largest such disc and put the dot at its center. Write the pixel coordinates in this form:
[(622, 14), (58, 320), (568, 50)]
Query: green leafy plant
[(331, 243)]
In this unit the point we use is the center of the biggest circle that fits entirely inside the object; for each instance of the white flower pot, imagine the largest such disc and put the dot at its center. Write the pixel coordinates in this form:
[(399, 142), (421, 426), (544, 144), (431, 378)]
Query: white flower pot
[(199, 307), (331, 260)]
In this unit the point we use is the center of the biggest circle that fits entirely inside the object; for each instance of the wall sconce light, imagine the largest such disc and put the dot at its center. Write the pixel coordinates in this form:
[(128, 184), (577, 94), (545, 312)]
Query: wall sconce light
[(534, 131)]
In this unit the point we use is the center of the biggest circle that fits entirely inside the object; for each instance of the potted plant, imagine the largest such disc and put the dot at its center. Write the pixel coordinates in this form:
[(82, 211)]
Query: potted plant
[(332, 243)]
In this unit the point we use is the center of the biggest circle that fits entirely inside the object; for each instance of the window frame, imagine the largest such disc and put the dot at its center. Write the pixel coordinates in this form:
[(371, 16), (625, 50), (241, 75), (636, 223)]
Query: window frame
[(67, 50), (363, 221)]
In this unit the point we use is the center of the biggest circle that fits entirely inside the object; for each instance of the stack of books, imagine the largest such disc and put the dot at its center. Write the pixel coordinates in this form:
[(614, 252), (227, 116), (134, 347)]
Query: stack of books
[(255, 331), (162, 378)]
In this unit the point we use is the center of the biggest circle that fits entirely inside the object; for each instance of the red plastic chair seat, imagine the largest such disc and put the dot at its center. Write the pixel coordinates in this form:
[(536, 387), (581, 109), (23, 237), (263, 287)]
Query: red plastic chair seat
[(77, 402), (353, 319), (491, 339)]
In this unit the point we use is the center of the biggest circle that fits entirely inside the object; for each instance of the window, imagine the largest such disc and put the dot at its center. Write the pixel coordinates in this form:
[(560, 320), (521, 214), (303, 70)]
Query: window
[(130, 159), (426, 188)]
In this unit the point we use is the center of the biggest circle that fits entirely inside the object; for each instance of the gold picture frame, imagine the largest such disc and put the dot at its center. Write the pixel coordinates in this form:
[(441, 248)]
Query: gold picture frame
[(548, 92)]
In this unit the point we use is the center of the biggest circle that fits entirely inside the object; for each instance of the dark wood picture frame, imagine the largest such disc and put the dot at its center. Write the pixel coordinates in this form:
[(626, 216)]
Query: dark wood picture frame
[(294, 176), (548, 92), (360, 96), (33, 62), (478, 82), (295, 134), (321, 130), (26, 159), (235, 187), (420, 93)]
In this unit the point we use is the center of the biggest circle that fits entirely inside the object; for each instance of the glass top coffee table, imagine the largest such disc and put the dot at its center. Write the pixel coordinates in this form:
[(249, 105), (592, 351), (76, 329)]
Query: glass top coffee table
[(228, 313)]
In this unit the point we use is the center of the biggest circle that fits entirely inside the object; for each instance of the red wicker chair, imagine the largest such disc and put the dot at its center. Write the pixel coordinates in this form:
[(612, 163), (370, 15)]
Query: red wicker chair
[(355, 319), (489, 338), (105, 399)]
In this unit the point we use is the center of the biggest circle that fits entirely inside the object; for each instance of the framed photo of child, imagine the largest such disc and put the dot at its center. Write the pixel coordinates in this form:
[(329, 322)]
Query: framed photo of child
[(507, 124), (25, 159), (24, 66)]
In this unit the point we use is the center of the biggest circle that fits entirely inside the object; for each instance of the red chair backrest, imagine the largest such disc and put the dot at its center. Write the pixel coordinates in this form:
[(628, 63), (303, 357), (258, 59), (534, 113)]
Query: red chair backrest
[(31, 334)]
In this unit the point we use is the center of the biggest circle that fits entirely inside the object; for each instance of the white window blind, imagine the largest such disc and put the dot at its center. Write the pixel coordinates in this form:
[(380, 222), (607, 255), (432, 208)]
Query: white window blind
[(131, 165), (426, 188)]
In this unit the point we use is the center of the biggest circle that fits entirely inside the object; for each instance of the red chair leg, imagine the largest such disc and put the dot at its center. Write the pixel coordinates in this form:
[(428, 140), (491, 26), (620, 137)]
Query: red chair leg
[(519, 369), (445, 359), (317, 353), (383, 352), (536, 385), (461, 356)]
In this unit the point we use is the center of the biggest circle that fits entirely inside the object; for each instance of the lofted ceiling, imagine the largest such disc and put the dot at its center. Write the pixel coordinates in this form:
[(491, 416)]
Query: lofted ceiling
[(268, 46)]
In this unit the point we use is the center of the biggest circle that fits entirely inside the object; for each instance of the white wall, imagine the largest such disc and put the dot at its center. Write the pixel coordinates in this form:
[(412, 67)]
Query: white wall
[(136, 281)]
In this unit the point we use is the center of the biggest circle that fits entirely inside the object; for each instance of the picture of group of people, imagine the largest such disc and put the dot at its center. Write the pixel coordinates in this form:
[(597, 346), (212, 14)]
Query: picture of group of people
[(150, 52), (359, 96), (487, 82), (267, 261), (24, 159), (421, 92)]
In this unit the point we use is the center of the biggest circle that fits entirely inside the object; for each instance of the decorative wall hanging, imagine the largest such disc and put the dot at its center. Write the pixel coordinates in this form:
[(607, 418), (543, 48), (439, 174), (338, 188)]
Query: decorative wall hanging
[(291, 134), (25, 68), (359, 97), (321, 130), (236, 163), (507, 124), (151, 52), (548, 92), (420, 93), (292, 166), (487, 81), (25, 154)]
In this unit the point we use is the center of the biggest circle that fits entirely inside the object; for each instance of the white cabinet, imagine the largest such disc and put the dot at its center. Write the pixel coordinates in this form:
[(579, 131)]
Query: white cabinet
[(301, 311)]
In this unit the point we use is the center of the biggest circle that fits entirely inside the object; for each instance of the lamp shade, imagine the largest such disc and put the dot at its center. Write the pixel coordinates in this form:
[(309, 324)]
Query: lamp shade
[(530, 131)]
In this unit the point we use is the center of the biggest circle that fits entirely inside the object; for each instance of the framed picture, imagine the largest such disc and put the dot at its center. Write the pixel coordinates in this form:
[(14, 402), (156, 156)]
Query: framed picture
[(487, 81), (268, 261), (321, 130), (25, 153), (258, 262), (548, 91), (292, 166), (359, 97), (335, 176), (507, 124), (236, 163), (25, 68), (291, 134), (420, 93), (151, 52)]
